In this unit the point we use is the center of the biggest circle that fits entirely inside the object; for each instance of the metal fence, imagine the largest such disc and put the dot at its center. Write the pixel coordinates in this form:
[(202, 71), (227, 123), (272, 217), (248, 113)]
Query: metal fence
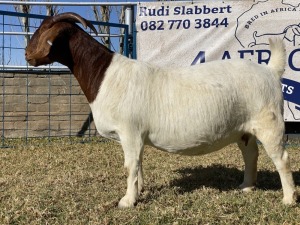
[(46, 101)]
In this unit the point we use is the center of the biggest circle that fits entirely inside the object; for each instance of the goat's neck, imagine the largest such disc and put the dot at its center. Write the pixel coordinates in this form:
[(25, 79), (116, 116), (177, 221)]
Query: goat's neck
[(90, 61)]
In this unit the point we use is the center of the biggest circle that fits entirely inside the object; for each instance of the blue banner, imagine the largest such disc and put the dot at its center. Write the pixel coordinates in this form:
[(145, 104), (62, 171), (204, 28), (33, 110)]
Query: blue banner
[(291, 91)]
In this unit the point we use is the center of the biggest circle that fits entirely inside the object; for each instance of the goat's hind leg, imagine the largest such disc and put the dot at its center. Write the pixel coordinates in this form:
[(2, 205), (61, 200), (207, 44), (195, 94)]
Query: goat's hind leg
[(249, 150), (272, 139), (281, 160)]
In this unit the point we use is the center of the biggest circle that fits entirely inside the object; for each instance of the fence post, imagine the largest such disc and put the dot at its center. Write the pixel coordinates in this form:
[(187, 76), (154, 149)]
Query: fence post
[(3, 88), (129, 11)]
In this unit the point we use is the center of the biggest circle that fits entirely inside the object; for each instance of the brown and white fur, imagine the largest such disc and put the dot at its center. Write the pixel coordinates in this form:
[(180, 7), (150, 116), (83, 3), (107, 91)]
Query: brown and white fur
[(190, 111)]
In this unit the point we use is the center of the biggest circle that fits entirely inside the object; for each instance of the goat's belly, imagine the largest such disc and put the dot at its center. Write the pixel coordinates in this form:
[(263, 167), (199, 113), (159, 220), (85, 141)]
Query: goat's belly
[(197, 150), (192, 148)]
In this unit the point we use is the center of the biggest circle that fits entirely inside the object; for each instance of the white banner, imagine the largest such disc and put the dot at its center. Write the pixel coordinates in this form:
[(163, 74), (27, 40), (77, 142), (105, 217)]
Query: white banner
[(188, 33)]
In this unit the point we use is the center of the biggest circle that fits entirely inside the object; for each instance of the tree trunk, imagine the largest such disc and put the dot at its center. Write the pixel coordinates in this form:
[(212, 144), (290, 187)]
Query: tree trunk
[(25, 20), (103, 15), (122, 21)]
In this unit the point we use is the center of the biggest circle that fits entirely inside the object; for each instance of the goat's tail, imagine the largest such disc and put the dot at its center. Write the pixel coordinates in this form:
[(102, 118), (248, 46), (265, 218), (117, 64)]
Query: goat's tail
[(278, 56)]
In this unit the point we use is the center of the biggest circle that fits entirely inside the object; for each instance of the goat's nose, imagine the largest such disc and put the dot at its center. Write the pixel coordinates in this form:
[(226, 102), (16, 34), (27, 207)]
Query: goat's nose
[(26, 56)]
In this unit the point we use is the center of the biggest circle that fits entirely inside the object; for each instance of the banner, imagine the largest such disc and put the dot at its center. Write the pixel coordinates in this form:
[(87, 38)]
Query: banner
[(187, 33)]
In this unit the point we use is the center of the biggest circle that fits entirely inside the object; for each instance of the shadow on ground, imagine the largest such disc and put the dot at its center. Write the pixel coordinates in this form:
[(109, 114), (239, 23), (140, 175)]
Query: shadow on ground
[(218, 177), (225, 178)]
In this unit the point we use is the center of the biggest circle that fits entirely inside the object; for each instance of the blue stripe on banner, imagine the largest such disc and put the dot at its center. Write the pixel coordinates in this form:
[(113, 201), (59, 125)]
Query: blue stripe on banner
[(291, 91)]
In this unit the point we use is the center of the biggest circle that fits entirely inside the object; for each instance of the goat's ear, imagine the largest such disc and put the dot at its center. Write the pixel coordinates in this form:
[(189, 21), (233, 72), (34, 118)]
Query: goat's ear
[(46, 40)]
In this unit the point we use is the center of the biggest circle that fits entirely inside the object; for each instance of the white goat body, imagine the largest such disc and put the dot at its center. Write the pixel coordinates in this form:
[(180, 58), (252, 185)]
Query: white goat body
[(192, 110)]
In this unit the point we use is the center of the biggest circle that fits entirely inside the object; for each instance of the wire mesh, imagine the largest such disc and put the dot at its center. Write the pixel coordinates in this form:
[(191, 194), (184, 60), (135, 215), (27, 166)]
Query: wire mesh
[(39, 103)]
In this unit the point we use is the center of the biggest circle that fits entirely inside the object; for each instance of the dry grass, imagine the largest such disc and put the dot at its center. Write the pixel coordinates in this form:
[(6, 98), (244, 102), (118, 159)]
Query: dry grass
[(65, 183)]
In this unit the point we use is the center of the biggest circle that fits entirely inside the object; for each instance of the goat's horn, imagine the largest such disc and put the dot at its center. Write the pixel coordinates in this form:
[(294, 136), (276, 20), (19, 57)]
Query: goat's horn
[(69, 16)]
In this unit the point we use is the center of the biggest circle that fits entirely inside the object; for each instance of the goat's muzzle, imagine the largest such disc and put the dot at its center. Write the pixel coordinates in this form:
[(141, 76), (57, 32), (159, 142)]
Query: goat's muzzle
[(31, 61)]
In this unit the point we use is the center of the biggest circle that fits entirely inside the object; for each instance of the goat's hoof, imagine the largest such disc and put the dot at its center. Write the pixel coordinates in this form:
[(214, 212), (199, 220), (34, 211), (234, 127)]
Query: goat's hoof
[(126, 203), (290, 200), (246, 188)]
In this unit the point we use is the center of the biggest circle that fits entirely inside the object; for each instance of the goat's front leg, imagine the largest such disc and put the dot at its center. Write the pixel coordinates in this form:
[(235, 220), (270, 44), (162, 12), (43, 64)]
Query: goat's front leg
[(140, 177), (133, 152)]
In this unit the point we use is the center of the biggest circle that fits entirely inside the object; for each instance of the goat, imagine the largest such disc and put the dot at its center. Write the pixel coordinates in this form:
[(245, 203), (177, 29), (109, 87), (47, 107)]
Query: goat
[(190, 111)]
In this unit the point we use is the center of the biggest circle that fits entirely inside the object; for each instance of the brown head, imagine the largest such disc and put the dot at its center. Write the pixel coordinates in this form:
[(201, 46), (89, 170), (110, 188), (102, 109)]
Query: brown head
[(59, 39), (38, 52)]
